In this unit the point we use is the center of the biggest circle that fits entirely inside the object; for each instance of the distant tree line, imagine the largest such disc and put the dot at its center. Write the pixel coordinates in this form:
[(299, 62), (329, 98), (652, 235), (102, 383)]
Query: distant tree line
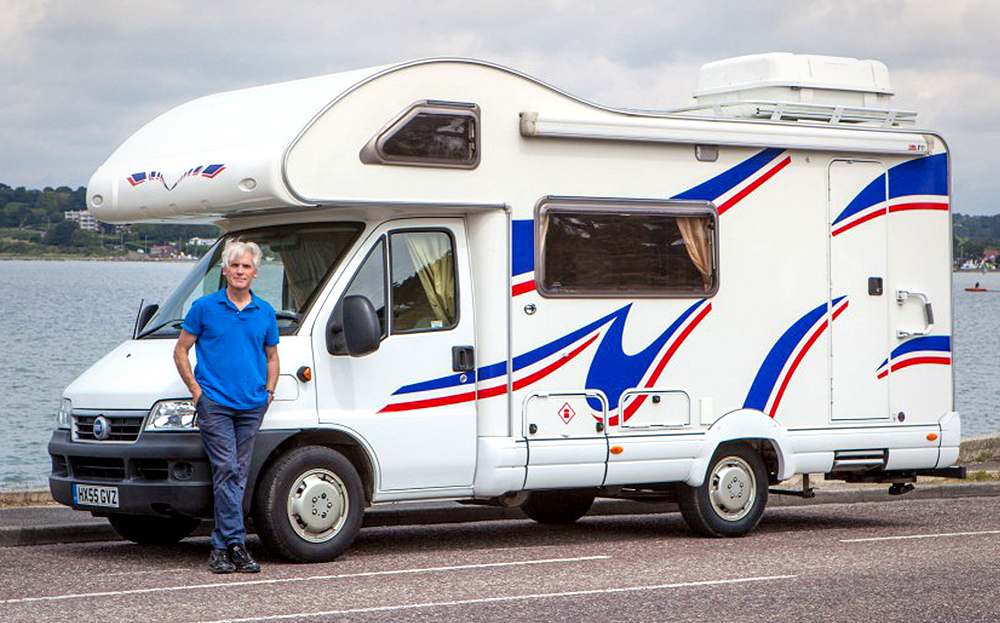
[(973, 235), (32, 221), (20, 207)]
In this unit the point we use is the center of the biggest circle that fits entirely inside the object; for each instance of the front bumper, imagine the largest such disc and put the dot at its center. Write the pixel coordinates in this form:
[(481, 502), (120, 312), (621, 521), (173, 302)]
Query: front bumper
[(164, 473), (160, 474)]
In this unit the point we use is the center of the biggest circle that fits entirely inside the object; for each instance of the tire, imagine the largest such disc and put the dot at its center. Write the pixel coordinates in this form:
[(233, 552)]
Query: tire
[(558, 507), (153, 530), (309, 504), (731, 501)]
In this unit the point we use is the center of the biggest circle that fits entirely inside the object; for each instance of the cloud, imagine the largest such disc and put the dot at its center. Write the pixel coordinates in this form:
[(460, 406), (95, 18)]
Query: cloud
[(79, 78)]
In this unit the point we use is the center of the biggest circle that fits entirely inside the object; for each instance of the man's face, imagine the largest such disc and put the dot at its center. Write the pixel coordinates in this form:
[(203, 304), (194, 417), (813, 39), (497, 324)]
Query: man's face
[(240, 272)]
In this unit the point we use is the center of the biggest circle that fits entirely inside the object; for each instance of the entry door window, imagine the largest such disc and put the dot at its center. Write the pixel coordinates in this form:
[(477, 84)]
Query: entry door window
[(424, 291)]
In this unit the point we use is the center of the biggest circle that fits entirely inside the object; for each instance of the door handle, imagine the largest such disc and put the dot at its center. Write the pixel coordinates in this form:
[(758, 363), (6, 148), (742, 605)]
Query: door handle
[(901, 298), (463, 358)]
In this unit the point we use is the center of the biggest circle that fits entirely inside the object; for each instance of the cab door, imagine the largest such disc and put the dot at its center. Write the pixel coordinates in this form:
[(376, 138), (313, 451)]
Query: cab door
[(412, 401)]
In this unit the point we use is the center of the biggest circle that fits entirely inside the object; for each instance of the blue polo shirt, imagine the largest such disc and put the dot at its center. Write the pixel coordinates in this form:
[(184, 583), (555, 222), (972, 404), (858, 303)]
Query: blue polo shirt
[(232, 364)]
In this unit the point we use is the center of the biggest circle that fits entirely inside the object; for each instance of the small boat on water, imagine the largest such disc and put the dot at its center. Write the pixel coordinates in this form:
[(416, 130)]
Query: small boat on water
[(976, 290)]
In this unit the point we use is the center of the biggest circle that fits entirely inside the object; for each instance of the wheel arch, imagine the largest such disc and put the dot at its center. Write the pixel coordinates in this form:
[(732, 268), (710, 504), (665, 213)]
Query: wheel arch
[(761, 432), (353, 449)]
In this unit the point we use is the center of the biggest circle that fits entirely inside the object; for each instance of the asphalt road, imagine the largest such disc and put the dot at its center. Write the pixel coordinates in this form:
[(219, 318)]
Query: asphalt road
[(913, 561)]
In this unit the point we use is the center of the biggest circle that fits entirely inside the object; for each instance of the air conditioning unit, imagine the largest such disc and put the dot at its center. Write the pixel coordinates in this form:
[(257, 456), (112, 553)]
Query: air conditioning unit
[(799, 87)]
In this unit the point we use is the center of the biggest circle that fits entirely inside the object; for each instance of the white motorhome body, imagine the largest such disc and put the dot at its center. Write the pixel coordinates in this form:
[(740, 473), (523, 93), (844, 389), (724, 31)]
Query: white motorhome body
[(568, 300)]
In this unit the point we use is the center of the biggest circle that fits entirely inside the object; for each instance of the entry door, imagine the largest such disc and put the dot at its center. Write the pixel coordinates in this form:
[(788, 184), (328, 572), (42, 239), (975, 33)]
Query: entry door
[(409, 401), (859, 332)]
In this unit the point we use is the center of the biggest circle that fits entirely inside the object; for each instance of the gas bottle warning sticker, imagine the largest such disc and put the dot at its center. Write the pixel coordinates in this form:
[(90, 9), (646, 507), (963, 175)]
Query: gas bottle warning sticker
[(566, 413)]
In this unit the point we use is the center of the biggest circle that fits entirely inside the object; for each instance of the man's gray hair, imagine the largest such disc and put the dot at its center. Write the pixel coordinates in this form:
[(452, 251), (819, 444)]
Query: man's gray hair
[(236, 249)]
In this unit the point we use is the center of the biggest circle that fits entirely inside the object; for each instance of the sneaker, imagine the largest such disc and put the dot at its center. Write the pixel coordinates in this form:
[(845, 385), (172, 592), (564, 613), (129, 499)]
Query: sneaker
[(219, 562), (242, 560)]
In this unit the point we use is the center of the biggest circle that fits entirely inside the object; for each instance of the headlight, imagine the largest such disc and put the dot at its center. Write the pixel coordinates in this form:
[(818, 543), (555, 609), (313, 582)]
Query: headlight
[(172, 415), (63, 415)]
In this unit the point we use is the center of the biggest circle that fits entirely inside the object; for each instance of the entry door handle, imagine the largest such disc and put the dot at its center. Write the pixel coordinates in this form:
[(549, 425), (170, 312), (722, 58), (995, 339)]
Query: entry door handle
[(463, 358), (901, 297)]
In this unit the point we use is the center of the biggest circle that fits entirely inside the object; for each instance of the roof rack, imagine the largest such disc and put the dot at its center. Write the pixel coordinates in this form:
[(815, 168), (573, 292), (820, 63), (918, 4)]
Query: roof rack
[(795, 111)]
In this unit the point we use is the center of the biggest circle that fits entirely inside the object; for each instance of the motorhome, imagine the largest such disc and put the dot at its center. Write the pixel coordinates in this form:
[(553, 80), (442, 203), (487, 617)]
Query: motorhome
[(489, 290)]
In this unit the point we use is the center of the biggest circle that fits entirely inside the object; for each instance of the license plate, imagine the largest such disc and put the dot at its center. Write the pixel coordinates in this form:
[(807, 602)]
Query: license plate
[(94, 495)]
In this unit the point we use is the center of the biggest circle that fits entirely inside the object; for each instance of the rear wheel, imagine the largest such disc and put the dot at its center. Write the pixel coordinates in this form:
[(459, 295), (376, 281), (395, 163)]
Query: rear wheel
[(309, 505), (153, 530), (558, 507), (732, 499)]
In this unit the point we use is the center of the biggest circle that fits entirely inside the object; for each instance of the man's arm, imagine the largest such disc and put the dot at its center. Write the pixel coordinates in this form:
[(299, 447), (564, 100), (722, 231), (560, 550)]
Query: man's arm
[(184, 344), (272, 370)]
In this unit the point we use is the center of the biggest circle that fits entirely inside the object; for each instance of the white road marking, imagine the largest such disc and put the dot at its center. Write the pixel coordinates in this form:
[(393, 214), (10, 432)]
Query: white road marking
[(486, 600), (918, 536), (311, 578)]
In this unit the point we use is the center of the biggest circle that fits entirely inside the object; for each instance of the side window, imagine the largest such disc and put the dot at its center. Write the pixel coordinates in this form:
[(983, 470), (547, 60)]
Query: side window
[(441, 134), (369, 281), (627, 248), (424, 292)]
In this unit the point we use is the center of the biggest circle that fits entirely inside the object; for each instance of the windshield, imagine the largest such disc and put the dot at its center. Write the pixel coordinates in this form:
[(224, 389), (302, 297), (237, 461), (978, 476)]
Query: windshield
[(296, 262)]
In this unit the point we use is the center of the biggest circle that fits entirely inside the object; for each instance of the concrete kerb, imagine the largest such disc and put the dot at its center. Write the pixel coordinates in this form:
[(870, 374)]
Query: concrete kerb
[(29, 517)]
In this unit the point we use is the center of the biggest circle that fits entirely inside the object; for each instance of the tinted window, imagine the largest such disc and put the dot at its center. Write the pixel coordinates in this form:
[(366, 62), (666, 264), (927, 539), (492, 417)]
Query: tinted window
[(627, 250), (434, 137), (429, 133), (423, 281), (370, 282)]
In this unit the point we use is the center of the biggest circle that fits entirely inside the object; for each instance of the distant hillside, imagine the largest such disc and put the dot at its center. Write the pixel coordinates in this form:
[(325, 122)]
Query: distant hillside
[(32, 224), (972, 235)]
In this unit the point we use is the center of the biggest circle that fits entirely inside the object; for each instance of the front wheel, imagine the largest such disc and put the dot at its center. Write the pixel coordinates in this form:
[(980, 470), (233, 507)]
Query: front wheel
[(153, 530), (732, 499), (309, 505)]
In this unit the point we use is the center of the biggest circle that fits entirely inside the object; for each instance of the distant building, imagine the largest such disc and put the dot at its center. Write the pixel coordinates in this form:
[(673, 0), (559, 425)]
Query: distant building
[(201, 242), (83, 218), (163, 252)]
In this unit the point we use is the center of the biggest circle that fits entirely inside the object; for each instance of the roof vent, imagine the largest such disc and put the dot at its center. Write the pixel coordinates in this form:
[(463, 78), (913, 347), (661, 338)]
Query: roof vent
[(799, 87)]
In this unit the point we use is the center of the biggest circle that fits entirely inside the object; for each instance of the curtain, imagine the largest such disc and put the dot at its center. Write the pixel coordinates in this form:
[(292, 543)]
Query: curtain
[(432, 257), (694, 230), (305, 266)]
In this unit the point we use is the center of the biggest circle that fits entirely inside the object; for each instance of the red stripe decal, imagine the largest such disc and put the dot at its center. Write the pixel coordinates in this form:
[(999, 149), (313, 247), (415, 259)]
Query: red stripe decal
[(754, 185), (869, 217), (555, 365), (926, 205), (490, 391), (916, 360), (798, 358), (430, 402), (635, 404), (521, 288)]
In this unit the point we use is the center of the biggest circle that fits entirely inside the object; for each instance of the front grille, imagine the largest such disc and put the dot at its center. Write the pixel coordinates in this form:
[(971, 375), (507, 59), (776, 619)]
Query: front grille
[(124, 427), (97, 467), (151, 469)]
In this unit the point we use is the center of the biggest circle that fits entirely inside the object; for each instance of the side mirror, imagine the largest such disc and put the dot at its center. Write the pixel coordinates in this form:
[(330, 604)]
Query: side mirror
[(142, 319), (354, 328)]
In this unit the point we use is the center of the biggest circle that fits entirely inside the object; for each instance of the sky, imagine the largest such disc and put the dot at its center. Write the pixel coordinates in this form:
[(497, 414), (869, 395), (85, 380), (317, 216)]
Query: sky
[(78, 78)]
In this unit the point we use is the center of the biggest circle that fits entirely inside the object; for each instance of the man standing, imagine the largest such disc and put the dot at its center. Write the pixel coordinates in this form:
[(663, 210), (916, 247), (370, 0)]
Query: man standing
[(235, 335)]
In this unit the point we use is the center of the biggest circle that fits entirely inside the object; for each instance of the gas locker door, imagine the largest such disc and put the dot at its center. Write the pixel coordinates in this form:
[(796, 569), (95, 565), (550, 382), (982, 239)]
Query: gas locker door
[(567, 439), (412, 402), (858, 315)]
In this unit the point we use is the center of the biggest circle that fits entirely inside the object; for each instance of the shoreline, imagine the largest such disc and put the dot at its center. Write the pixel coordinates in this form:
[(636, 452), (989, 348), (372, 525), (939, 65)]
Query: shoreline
[(84, 258)]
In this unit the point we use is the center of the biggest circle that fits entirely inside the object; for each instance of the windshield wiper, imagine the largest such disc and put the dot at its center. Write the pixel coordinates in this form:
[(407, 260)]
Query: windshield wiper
[(175, 322)]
